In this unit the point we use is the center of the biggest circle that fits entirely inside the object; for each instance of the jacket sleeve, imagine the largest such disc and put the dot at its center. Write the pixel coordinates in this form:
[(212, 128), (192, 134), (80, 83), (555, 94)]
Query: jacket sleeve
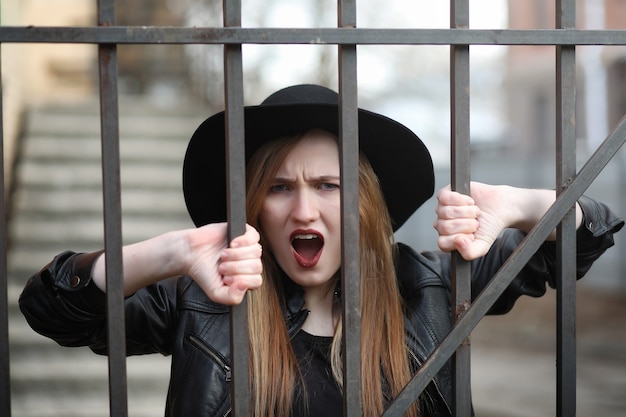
[(593, 238), (63, 303)]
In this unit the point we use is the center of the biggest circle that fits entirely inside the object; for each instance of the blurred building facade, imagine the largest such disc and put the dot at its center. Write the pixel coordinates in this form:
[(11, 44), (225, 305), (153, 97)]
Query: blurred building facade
[(36, 74), (531, 81), (601, 104)]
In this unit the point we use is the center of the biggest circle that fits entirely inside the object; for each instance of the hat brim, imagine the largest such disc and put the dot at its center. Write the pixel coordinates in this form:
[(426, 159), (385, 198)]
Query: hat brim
[(399, 158)]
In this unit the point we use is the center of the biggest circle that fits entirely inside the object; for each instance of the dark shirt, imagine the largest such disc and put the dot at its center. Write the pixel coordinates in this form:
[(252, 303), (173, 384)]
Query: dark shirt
[(323, 397)]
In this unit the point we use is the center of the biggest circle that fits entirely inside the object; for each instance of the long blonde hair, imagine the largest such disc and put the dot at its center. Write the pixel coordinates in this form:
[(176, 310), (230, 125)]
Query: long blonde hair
[(274, 369)]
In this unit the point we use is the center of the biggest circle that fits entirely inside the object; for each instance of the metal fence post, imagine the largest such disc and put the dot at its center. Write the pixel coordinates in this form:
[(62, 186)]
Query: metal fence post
[(350, 260), (566, 231), (460, 181), (111, 188), (236, 190)]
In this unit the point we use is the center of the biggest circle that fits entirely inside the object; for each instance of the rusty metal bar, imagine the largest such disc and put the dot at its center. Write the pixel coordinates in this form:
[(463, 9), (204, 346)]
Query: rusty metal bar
[(320, 36), (236, 192), (350, 259), (111, 188), (460, 181), (510, 269), (566, 231), (5, 372)]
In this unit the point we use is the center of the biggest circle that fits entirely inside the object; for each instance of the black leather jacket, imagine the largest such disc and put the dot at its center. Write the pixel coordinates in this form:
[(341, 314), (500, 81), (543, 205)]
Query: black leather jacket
[(175, 317)]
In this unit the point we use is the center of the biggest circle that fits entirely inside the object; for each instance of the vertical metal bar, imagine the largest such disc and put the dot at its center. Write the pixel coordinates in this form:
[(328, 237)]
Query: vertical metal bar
[(236, 191), (460, 181), (566, 231), (109, 118), (5, 372), (349, 154)]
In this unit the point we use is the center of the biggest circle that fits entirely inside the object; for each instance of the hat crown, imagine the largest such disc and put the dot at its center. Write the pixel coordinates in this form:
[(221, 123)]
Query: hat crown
[(302, 94)]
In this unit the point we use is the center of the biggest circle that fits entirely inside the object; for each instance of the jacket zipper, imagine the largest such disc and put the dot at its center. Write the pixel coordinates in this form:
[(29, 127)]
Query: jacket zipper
[(434, 382), (199, 343)]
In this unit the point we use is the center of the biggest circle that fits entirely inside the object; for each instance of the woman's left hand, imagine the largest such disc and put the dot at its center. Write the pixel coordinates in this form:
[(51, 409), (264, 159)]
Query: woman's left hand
[(470, 224)]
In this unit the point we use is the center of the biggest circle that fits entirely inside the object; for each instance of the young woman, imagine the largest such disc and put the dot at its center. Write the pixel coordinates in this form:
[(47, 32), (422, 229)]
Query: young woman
[(288, 261)]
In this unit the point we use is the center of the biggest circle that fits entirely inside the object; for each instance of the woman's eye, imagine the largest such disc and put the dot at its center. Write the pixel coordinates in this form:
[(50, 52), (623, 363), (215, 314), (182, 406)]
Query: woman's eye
[(329, 186), (278, 188)]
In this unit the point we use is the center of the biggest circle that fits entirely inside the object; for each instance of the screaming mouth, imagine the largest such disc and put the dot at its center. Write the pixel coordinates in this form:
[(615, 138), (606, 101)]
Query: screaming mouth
[(307, 248)]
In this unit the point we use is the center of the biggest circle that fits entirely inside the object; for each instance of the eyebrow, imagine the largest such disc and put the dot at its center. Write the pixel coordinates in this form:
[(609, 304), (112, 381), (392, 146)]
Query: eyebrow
[(321, 178), (328, 178)]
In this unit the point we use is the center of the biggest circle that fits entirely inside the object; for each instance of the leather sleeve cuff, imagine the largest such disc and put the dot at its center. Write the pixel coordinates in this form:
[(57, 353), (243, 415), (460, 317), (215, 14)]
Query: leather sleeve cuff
[(598, 218), (70, 272)]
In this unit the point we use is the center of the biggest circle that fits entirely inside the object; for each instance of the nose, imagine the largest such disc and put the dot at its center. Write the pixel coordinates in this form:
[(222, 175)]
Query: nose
[(305, 208)]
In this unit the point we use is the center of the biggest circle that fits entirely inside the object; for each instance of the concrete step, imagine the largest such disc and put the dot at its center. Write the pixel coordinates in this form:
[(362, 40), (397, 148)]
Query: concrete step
[(147, 372), (57, 400), (88, 148), (54, 204), (131, 105), (45, 122), (91, 229), (61, 174)]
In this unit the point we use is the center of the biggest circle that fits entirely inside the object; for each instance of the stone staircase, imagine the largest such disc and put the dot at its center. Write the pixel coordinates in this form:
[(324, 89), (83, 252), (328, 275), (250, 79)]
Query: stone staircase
[(57, 205)]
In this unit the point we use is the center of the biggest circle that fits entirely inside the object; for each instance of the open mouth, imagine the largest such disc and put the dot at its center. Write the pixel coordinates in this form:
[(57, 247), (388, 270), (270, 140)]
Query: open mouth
[(307, 248)]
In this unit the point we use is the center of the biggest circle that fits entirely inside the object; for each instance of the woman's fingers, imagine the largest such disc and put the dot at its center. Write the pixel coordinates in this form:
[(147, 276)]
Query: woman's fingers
[(245, 267), (458, 224), (229, 294), (249, 238), (448, 227), (226, 273), (456, 214), (447, 197)]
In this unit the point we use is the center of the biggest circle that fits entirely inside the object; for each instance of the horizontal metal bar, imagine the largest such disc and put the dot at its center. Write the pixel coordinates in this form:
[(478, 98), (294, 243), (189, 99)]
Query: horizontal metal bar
[(510, 269), (319, 36)]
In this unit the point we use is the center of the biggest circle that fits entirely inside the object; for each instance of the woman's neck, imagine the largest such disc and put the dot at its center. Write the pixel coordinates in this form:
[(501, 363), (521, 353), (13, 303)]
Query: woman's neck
[(322, 312)]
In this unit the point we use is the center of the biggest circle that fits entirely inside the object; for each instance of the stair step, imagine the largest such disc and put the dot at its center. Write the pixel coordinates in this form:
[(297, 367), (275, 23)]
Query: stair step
[(54, 204), (35, 406), (130, 105), (87, 368), (86, 174), (76, 403), (148, 149), (71, 125), (90, 229)]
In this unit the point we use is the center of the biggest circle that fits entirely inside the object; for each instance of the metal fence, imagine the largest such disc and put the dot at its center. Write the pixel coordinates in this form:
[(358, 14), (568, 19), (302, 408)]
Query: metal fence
[(569, 183)]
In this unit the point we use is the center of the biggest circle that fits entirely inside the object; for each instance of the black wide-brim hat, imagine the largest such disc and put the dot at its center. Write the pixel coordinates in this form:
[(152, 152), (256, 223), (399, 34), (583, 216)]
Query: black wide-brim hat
[(399, 158)]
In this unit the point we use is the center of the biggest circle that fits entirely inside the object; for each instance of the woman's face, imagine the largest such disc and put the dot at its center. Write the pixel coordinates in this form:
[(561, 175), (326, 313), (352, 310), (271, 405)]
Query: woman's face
[(300, 217)]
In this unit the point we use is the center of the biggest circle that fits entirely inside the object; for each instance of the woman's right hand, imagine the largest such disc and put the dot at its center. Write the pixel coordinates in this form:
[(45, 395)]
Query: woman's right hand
[(224, 272)]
